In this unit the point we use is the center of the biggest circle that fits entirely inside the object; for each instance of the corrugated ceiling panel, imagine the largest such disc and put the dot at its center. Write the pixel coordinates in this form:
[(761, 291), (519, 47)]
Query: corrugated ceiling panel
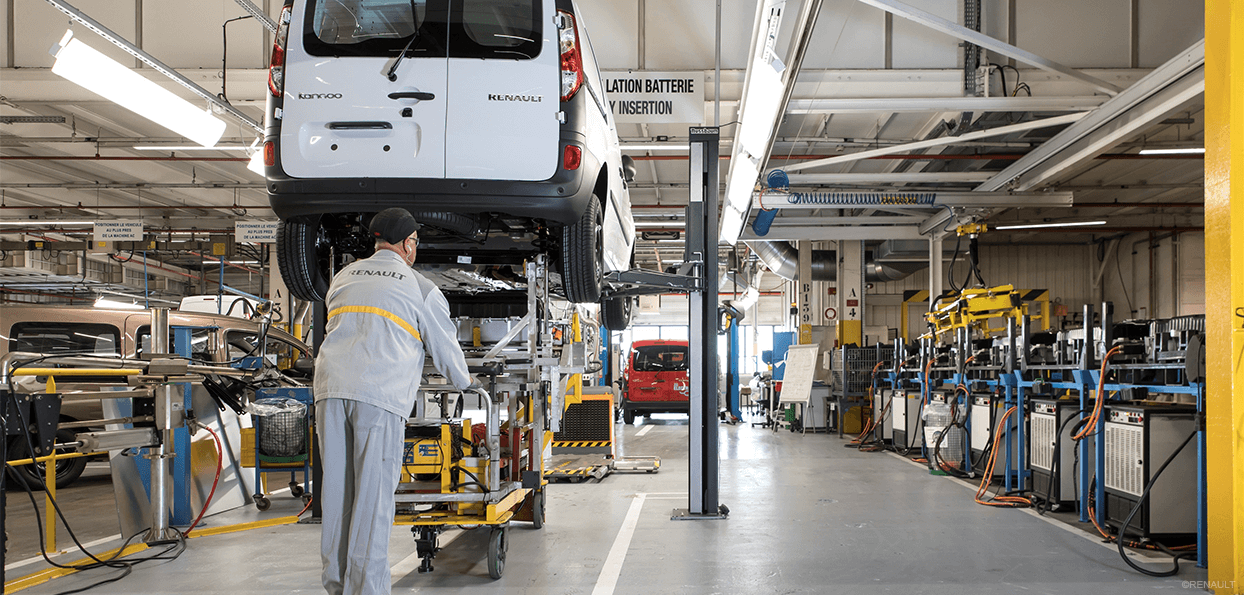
[(200, 46), (40, 26), (1076, 33)]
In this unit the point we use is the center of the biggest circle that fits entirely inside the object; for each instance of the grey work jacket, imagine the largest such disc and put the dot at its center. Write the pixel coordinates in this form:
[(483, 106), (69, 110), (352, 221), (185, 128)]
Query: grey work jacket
[(382, 318)]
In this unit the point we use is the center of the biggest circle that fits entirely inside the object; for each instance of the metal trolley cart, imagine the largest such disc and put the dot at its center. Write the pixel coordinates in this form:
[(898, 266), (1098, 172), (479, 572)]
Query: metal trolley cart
[(458, 475), (282, 442)]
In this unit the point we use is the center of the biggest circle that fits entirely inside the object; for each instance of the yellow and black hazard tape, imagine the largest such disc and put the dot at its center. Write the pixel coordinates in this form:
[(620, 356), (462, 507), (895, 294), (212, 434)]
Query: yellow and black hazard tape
[(580, 443)]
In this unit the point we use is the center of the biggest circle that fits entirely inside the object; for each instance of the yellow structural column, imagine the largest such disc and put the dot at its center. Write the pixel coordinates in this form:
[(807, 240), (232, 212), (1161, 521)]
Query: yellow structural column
[(1224, 291)]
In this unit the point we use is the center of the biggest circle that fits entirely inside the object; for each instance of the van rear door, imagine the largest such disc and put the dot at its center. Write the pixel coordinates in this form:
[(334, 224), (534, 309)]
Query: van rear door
[(347, 111), (505, 85)]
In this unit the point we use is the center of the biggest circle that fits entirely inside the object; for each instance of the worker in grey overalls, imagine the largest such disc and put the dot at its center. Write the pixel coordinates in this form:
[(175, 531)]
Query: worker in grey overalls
[(382, 318)]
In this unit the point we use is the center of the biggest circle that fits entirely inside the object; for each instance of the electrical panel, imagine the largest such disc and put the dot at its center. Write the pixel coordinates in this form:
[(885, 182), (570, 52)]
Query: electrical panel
[(908, 428), (895, 400), (987, 410), (1055, 482), (1139, 438)]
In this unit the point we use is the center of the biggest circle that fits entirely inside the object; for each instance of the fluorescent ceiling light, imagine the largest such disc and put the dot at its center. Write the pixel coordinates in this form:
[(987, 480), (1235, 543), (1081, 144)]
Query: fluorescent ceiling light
[(104, 76), (190, 148), (1185, 151), (655, 147), (1040, 225), (104, 302), (30, 222)]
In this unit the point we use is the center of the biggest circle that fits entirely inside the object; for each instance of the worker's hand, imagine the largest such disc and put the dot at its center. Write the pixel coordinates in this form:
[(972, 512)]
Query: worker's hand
[(475, 383)]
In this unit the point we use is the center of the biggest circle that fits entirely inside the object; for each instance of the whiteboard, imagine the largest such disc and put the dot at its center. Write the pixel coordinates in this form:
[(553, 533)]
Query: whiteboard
[(800, 366)]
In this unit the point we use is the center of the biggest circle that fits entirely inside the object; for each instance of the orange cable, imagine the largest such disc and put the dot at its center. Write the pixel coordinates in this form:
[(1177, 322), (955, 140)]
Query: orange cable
[(1007, 501)]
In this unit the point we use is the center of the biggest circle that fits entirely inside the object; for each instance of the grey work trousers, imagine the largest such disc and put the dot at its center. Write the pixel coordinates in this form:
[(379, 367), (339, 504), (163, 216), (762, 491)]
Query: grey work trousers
[(361, 450)]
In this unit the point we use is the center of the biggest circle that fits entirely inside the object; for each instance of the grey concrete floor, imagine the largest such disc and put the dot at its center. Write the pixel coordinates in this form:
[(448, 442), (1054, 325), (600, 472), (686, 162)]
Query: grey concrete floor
[(807, 516)]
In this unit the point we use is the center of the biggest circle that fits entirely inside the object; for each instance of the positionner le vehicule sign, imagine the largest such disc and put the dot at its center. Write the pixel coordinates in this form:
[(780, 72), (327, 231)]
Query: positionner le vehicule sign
[(118, 231), (650, 97), (255, 231)]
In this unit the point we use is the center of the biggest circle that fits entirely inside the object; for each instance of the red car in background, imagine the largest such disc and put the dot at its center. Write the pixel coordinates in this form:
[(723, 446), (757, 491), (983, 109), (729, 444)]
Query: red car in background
[(655, 380)]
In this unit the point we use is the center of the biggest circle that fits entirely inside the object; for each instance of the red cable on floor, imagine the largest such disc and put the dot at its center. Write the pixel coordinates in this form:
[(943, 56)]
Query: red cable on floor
[(220, 456)]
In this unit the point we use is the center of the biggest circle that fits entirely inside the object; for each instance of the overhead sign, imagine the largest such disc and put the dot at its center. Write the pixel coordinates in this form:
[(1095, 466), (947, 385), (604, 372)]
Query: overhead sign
[(655, 97), (118, 231), (255, 232)]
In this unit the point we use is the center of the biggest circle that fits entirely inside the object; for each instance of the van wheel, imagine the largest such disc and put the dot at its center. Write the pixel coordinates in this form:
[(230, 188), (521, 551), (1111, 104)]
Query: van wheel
[(628, 416), (583, 253), (67, 470), (302, 255), (616, 312)]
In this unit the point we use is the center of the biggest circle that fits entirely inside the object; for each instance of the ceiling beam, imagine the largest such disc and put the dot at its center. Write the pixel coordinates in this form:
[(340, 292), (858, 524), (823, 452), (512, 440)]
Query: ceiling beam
[(944, 104), (768, 87), (835, 232), (937, 23), (160, 67), (937, 142), (893, 178), (1168, 87)]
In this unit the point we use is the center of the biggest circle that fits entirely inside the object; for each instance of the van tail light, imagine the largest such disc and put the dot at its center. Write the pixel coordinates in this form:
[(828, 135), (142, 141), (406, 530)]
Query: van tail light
[(276, 67), (571, 57), (269, 153), (572, 157)]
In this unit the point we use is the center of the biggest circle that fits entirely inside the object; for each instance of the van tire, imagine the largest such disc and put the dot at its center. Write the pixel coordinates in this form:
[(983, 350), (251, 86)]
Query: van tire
[(616, 312), (67, 470), (297, 255), (583, 270)]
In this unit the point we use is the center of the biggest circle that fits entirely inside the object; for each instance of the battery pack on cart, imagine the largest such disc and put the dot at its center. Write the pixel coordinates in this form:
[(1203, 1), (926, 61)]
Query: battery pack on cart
[(425, 449)]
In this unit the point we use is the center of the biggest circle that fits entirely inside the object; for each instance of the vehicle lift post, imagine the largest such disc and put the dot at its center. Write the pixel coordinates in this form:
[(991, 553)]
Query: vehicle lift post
[(319, 320), (701, 256)]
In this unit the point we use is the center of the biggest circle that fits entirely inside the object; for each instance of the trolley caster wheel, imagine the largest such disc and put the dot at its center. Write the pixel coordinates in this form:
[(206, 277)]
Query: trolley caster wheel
[(306, 499), (537, 509), (295, 490), (262, 502), (498, 542)]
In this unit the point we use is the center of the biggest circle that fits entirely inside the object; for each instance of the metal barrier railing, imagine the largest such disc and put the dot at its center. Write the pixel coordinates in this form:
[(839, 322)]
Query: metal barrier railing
[(49, 485)]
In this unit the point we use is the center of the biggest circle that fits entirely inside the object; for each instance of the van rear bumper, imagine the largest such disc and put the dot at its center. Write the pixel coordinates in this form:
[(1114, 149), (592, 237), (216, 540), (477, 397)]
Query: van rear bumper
[(681, 406), (562, 198)]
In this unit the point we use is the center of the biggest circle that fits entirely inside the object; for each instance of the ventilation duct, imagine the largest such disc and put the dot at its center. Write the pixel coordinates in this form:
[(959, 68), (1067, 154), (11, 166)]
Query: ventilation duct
[(783, 259)]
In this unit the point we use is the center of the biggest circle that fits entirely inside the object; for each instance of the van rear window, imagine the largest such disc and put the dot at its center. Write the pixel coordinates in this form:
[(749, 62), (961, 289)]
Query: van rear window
[(375, 27), (661, 358), (509, 29), (57, 338), (497, 29)]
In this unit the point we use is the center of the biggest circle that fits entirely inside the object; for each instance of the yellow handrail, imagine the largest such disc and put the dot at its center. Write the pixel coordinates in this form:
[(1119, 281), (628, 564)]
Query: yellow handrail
[(77, 372), (46, 458), (49, 488)]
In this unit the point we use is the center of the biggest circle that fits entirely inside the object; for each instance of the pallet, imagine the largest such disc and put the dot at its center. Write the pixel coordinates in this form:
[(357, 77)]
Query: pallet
[(577, 468)]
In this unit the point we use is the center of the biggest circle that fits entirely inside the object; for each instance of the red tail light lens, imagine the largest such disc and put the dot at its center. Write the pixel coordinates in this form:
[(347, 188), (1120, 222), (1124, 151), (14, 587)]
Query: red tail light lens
[(572, 157), (269, 153), (276, 67), (571, 58)]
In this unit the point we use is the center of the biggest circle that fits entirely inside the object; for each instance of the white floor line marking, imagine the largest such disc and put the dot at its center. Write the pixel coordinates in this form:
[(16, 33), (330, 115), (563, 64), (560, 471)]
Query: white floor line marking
[(71, 550), (410, 563), (612, 568), (644, 430), (1092, 537)]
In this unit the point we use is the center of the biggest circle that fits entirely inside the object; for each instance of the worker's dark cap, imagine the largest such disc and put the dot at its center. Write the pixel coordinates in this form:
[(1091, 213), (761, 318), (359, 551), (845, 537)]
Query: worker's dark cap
[(393, 225)]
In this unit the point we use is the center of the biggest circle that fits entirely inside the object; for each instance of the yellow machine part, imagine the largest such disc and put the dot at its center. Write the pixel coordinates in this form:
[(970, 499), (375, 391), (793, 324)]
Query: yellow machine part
[(987, 310)]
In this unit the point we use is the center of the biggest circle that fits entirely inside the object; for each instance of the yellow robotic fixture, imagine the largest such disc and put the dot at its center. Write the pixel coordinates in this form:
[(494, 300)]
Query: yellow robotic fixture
[(981, 309), (971, 229)]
